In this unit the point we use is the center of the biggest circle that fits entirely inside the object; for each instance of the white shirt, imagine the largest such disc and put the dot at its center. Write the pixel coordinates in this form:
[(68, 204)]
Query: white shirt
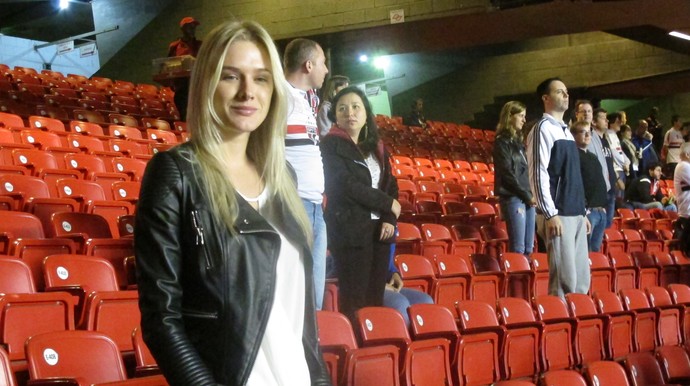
[(681, 178), (375, 171), (305, 159), (673, 140), (281, 360)]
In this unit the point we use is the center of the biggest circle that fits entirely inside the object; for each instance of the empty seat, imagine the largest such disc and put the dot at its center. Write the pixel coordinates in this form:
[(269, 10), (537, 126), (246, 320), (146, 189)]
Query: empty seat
[(416, 272), (114, 313), (540, 266), (93, 200), (62, 354), (602, 274), (453, 280), (408, 239), (645, 319), (558, 333), (519, 276), (606, 373), (521, 347), (423, 361), (670, 316), (675, 364), (563, 378), (488, 280), (625, 269), (365, 365), (643, 369), (480, 337), (22, 236), (92, 233), (619, 329), (133, 167), (21, 306), (590, 332)]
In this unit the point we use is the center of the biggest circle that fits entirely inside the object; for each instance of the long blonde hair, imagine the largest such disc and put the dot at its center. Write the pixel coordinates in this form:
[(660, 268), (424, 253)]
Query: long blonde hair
[(266, 145), (504, 125)]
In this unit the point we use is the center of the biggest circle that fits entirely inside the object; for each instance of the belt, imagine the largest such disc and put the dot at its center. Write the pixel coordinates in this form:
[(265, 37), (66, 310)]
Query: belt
[(597, 209)]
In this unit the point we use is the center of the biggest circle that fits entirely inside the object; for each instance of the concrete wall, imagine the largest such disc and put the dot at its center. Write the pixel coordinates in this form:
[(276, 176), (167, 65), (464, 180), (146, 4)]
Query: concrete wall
[(282, 19), (581, 60)]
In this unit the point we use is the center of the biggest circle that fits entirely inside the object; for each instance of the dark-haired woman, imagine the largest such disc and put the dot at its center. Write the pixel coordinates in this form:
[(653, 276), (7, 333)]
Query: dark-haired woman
[(362, 207)]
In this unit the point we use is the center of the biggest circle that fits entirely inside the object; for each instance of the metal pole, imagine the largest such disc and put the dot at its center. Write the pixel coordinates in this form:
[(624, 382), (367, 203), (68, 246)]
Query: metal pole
[(85, 35)]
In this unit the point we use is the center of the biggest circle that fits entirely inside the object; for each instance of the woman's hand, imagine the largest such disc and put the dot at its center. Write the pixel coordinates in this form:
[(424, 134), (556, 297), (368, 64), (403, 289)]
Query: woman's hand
[(396, 283), (387, 231), (395, 208)]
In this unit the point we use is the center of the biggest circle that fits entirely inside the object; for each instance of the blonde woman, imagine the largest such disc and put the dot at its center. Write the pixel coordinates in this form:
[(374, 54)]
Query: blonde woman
[(511, 181), (222, 239)]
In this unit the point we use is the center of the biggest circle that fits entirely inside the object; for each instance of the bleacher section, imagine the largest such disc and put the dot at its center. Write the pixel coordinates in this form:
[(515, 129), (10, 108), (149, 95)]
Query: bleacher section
[(72, 154)]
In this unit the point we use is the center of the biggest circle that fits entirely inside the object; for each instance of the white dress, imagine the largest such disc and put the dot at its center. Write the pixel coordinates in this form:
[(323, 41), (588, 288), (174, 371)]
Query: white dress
[(281, 360)]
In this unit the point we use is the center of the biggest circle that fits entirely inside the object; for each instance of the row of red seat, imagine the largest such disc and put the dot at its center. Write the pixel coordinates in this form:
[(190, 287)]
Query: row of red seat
[(507, 340)]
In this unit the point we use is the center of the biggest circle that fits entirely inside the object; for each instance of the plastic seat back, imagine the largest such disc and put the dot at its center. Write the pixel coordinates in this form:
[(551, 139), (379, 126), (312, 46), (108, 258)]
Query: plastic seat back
[(620, 339), (558, 333), (408, 239), (645, 328), (601, 271), (115, 313), (670, 316), (519, 275), (643, 369), (416, 272), (481, 337), (675, 364), (563, 378), (87, 272), (606, 373), (590, 333), (63, 354), (491, 285), (540, 266), (625, 270), (15, 276)]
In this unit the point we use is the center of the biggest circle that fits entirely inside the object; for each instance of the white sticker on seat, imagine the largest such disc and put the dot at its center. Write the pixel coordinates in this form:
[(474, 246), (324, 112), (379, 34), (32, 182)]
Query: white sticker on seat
[(369, 324), (50, 356), (67, 226), (62, 273)]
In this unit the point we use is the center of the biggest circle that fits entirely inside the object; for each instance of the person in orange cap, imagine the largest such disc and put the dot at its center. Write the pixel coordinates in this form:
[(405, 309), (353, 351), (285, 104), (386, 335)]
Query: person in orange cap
[(188, 44)]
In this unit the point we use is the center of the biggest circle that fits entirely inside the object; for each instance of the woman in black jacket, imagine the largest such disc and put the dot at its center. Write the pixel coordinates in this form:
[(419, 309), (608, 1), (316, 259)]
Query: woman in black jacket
[(362, 207), (221, 237), (511, 182)]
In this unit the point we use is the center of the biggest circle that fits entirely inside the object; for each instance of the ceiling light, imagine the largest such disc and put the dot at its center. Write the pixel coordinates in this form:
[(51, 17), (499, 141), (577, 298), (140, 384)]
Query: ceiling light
[(679, 35), (64, 4), (382, 62), (363, 58)]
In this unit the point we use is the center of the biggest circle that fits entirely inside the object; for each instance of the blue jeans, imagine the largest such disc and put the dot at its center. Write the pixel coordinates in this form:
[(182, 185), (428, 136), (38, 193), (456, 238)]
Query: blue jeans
[(653, 205), (318, 250), (519, 219), (597, 219), (610, 207), (403, 299)]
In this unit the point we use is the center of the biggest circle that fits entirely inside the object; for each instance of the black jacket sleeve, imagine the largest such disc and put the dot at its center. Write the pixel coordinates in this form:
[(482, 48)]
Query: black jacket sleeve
[(503, 167), (158, 275)]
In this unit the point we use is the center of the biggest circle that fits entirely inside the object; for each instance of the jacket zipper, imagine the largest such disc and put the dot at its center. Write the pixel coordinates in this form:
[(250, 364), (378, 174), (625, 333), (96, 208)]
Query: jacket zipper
[(198, 314), (199, 237)]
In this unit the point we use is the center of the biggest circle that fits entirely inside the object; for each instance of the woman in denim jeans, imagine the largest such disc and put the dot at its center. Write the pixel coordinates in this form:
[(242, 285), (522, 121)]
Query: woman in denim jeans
[(511, 181)]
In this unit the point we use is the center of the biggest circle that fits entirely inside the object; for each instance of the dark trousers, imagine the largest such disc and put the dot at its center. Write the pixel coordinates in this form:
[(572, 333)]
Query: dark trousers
[(362, 273)]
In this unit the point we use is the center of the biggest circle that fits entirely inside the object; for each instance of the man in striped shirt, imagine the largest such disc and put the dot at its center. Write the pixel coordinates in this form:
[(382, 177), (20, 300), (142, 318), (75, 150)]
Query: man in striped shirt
[(556, 182)]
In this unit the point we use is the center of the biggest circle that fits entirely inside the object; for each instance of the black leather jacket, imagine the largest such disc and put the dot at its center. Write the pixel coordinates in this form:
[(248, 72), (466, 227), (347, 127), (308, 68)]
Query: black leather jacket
[(351, 199), (511, 175), (204, 294)]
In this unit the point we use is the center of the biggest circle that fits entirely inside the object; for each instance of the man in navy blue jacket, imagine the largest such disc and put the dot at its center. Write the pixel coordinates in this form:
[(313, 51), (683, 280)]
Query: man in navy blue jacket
[(556, 182)]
